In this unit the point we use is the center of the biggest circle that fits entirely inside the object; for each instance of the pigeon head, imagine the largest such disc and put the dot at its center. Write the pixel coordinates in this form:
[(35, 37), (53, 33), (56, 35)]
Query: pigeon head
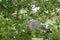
[(29, 18)]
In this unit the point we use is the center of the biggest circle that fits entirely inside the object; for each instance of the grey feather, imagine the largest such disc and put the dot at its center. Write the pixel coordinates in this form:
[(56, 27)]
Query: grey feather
[(37, 23)]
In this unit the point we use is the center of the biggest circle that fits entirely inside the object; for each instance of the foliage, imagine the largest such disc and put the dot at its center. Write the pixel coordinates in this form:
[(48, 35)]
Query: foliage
[(13, 19)]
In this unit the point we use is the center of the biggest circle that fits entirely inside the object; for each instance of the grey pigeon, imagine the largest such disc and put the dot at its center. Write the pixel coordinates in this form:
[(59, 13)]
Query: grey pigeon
[(32, 23)]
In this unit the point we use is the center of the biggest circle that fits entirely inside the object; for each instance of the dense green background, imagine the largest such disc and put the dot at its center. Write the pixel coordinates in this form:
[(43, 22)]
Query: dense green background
[(13, 19)]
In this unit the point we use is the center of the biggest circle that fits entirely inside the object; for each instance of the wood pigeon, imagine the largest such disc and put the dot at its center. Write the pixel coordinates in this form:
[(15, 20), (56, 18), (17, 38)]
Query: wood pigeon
[(32, 23)]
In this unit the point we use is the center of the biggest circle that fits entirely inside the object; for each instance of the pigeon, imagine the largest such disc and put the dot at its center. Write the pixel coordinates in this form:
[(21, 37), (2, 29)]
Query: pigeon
[(32, 23)]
